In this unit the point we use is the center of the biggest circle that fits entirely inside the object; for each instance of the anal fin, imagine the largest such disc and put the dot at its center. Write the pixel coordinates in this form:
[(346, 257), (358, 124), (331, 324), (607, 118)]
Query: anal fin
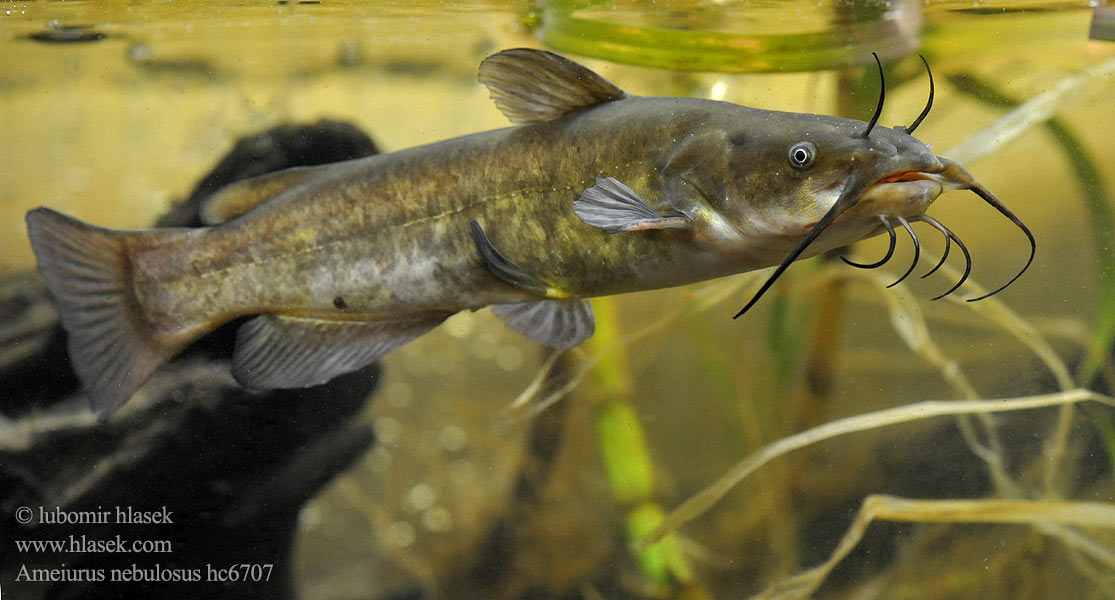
[(614, 207), (561, 324), (275, 351)]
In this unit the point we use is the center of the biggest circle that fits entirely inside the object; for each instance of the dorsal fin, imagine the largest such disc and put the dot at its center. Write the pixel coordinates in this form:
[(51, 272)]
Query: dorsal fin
[(239, 197), (530, 86)]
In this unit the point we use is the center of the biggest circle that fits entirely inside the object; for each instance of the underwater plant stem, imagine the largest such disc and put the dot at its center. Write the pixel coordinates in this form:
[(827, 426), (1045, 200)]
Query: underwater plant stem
[(701, 502), (909, 322), (823, 350), (1001, 315), (783, 342), (1102, 228), (1056, 443), (536, 397), (843, 45), (625, 454), (661, 560), (1041, 109), (1049, 516), (1034, 111), (1101, 222)]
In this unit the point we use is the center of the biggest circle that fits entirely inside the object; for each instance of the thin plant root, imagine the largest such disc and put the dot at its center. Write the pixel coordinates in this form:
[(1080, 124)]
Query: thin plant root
[(701, 502), (910, 324), (1056, 445), (998, 313), (1037, 513)]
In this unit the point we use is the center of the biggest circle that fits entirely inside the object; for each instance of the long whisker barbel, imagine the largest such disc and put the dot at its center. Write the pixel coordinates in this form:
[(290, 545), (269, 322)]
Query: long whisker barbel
[(957, 175), (928, 105), (890, 250), (882, 94), (948, 242), (848, 196), (917, 250), (882, 261), (990, 198), (949, 235), (950, 173)]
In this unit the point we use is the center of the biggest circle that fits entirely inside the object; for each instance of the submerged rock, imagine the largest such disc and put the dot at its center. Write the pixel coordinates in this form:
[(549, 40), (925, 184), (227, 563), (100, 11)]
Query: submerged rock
[(199, 480)]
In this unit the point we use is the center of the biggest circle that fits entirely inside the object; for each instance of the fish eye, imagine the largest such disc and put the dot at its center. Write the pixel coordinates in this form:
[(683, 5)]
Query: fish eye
[(802, 154)]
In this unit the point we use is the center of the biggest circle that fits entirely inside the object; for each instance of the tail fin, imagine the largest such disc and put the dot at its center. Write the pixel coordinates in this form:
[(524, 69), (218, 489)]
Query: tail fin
[(113, 348)]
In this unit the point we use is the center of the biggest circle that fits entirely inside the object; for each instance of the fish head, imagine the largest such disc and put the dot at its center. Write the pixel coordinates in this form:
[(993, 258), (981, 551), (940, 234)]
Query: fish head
[(804, 184), (787, 178)]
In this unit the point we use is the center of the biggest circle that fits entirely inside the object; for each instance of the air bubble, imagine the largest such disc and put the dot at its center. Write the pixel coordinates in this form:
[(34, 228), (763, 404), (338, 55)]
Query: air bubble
[(437, 520), (387, 430), (421, 497), (452, 438), (400, 534)]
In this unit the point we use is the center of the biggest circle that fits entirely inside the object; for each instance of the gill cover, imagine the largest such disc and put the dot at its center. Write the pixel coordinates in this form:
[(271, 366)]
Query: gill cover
[(853, 189)]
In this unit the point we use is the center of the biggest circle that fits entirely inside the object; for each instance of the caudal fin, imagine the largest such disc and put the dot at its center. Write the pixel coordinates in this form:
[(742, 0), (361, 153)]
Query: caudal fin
[(112, 347)]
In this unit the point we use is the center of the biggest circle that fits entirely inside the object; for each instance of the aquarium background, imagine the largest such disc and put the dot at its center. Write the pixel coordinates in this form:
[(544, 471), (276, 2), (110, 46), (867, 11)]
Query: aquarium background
[(500, 470)]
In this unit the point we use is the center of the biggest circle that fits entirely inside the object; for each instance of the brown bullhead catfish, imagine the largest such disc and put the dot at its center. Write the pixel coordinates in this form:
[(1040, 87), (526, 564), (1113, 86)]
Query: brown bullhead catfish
[(593, 192)]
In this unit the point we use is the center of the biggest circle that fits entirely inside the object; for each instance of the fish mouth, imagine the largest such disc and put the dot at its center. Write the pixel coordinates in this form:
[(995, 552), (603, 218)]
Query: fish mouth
[(917, 190), (907, 176), (905, 193)]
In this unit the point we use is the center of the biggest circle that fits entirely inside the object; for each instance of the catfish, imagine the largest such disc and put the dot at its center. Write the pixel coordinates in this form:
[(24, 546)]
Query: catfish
[(592, 192)]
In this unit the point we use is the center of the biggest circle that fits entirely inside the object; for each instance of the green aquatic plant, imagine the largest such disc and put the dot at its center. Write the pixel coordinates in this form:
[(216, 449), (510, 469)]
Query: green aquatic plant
[(625, 456), (870, 28)]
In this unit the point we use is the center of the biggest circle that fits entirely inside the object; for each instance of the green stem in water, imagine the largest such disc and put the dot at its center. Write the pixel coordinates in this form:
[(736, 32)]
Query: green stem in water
[(625, 455), (838, 47)]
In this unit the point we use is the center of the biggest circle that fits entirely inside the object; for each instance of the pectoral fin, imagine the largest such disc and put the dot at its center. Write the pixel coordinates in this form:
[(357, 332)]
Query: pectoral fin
[(614, 207), (560, 324), (239, 197), (290, 352), (530, 86), (500, 266)]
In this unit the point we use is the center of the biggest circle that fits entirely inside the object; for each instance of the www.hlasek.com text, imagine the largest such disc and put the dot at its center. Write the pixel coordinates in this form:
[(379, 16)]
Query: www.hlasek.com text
[(80, 544)]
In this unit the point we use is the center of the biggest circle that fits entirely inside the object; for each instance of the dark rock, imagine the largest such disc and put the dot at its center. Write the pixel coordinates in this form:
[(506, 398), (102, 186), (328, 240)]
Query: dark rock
[(273, 150), (231, 467)]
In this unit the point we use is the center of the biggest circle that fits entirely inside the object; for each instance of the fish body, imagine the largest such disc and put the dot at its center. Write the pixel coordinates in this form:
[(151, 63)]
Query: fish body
[(389, 233), (595, 192)]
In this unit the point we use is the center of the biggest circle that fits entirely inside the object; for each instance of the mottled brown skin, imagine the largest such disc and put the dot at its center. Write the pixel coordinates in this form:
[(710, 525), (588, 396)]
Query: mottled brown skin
[(345, 262), (387, 235)]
